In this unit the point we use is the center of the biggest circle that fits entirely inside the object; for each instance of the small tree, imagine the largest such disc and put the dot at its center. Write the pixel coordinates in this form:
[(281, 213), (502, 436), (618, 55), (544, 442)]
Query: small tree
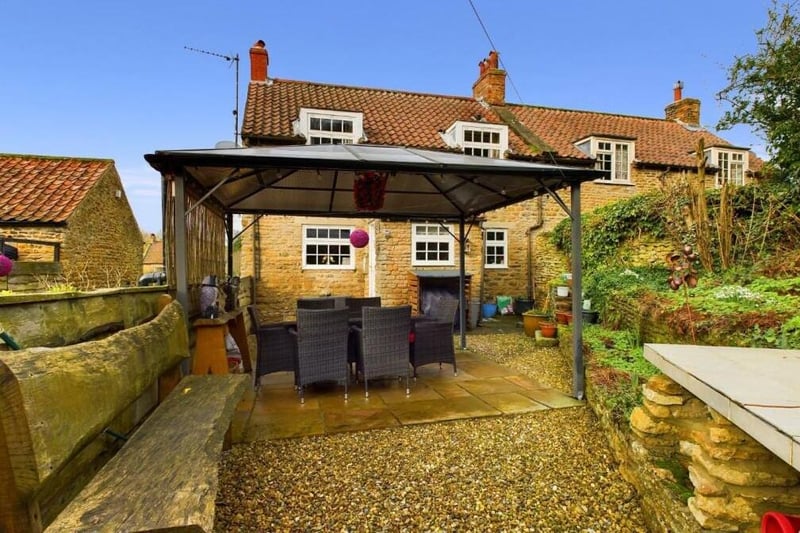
[(764, 89)]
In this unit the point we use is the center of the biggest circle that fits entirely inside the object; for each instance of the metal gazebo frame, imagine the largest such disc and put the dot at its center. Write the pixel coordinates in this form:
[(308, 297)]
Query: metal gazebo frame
[(320, 180)]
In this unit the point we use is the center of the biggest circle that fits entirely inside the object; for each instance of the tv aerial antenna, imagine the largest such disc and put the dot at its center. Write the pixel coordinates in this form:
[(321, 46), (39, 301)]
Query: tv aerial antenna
[(234, 60)]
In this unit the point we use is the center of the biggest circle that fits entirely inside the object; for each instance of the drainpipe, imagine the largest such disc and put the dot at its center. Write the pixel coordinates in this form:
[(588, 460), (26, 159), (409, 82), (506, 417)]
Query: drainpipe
[(483, 272), (538, 224)]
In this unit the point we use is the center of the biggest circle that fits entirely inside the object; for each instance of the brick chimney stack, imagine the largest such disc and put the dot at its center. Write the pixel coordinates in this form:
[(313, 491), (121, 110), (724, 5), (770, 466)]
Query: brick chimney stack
[(491, 84), (685, 110), (259, 61)]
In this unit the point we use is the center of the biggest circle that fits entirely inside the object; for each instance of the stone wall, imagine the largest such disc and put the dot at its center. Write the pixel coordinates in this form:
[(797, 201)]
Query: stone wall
[(275, 260), (693, 469), (34, 252), (658, 486), (32, 276), (102, 245), (735, 479)]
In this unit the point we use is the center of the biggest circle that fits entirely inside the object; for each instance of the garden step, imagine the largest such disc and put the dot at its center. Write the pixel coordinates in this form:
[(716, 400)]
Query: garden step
[(545, 341)]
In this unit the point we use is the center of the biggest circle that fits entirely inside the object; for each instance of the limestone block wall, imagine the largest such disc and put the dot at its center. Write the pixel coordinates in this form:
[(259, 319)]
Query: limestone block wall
[(271, 252), (102, 245), (735, 479), (31, 276), (33, 252)]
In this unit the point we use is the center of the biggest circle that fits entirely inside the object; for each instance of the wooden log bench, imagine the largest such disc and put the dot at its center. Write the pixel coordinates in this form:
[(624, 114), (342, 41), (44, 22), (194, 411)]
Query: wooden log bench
[(64, 412), (165, 476)]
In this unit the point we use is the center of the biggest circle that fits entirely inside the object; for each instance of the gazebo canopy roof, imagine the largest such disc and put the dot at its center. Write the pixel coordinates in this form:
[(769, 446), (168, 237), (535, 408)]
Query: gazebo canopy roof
[(318, 180)]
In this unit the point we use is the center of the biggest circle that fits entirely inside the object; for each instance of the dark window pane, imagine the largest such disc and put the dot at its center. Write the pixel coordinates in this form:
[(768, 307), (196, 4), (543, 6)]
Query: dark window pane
[(314, 123), (347, 126), (325, 124), (495, 138)]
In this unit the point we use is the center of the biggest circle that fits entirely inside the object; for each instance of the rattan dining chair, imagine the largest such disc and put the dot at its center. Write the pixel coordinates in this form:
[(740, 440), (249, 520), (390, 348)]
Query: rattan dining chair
[(276, 348), (316, 303), (355, 304), (433, 335), (383, 342), (321, 348)]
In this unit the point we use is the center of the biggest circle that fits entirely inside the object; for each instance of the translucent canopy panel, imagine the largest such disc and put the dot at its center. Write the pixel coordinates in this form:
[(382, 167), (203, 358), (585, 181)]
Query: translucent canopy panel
[(331, 180)]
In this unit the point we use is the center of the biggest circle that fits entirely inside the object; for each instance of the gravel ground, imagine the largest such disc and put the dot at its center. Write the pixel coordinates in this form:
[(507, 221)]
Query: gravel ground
[(549, 471)]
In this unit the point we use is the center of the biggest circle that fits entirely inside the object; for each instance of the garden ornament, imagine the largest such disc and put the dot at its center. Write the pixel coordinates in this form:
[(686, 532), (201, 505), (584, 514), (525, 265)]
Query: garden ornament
[(359, 238)]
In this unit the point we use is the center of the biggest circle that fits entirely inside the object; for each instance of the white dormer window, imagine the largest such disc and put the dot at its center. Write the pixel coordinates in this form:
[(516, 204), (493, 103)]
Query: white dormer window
[(612, 155), (478, 138), (320, 126), (732, 165)]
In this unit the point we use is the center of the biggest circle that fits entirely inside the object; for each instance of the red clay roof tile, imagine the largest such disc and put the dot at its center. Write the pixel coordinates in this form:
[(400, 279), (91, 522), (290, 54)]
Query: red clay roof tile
[(45, 189), (415, 119)]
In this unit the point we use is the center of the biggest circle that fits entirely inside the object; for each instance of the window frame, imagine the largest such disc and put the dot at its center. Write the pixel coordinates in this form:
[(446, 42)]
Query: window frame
[(591, 147), (303, 125), (714, 157), (454, 137), (326, 241), (504, 244), (444, 235)]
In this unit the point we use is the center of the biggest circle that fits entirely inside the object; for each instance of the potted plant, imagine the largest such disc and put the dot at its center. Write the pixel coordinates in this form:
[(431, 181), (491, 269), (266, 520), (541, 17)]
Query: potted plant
[(548, 329), (531, 321)]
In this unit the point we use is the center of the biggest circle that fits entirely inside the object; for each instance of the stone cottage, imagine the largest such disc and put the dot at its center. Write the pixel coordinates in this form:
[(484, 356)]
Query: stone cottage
[(75, 212), (506, 254)]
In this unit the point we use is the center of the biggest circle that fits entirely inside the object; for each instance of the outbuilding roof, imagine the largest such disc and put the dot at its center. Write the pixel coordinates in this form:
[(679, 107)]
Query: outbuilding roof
[(39, 189)]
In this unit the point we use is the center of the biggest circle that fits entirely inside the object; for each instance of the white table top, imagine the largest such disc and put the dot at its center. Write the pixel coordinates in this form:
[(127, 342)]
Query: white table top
[(758, 389)]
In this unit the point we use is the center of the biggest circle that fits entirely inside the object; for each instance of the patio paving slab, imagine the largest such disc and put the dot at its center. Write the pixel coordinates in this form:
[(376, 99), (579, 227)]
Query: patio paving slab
[(359, 420), (427, 411), (480, 387), (510, 403), (484, 369), (282, 425), (553, 398)]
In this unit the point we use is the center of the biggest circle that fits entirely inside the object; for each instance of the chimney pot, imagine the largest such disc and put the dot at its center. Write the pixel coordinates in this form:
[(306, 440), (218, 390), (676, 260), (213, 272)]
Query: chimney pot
[(259, 61), (677, 91), (491, 84), (685, 110)]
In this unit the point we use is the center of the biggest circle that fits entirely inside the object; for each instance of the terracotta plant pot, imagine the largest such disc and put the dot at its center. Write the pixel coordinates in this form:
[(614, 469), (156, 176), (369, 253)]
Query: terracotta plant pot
[(563, 317), (531, 321), (548, 329)]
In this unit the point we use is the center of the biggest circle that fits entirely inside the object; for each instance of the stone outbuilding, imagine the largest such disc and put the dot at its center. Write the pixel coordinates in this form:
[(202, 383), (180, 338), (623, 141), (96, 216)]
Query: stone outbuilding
[(72, 212)]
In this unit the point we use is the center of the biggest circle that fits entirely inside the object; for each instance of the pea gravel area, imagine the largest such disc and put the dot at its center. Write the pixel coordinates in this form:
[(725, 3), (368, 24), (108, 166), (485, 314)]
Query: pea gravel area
[(548, 471)]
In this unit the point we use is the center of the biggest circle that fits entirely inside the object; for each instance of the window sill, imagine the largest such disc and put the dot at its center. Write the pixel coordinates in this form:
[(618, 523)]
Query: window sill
[(623, 183), (495, 267)]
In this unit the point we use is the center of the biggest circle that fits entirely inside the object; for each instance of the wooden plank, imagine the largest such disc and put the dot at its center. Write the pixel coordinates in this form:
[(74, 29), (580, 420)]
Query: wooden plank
[(166, 474), (53, 401)]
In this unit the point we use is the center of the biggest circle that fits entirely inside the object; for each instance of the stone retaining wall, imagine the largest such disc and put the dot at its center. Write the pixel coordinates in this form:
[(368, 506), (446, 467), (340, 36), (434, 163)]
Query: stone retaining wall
[(676, 446), (735, 479)]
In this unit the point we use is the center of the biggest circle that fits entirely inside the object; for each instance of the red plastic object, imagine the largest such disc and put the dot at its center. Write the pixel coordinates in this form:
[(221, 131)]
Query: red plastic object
[(773, 522)]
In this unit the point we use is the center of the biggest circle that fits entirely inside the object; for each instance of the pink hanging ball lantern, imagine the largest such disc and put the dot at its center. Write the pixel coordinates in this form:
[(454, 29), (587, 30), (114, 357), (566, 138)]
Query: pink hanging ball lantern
[(5, 265), (359, 238)]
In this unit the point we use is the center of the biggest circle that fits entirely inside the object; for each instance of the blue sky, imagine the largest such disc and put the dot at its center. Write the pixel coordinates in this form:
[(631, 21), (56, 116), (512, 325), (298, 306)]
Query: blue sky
[(113, 80)]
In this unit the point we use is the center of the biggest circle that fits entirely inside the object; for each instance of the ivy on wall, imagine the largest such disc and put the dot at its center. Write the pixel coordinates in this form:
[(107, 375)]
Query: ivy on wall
[(608, 227)]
